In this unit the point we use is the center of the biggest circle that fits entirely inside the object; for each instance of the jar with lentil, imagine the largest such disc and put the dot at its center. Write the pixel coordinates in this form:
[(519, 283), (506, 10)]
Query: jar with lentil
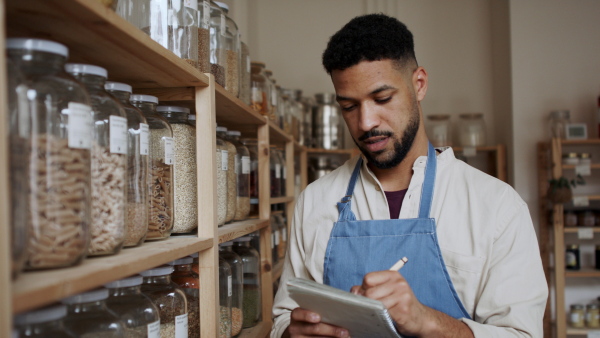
[(237, 290), (169, 299), (59, 154), (218, 30), (222, 182), (251, 278), (232, 52), (135, 310), (185, 188), (252, 145), (88, 316), (138, 166), (160, 214), (231, 174), (225, 294), (45, 322), (260, 91), (188, 280), (242, 169)]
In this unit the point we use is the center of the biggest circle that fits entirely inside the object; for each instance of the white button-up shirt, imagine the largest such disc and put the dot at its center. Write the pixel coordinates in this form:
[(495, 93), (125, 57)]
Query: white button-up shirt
[(484, 230)]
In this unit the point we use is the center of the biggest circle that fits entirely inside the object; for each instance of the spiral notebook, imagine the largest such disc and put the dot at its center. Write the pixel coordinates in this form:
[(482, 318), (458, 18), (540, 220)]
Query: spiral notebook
[(361, 316)]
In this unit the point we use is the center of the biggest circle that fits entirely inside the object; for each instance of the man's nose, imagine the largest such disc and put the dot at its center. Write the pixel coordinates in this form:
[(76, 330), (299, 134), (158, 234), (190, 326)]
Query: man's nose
[(369, 117)]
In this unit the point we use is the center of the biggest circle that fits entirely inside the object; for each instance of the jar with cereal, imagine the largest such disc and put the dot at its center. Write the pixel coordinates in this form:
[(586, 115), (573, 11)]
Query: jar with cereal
[(160, 205), (138, 166), (231, 174), (218, 30), (188, 280), (59, 152), (185, 188), (88, 316), (237, 290), (109, 162), (242, 169), (44, 322), (222, 161)]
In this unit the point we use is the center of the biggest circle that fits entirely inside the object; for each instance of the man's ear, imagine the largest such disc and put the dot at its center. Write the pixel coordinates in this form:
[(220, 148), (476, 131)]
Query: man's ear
[(420, 82)]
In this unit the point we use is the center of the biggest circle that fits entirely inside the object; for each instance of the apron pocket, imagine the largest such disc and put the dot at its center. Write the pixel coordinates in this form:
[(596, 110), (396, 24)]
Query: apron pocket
[(465, 272)]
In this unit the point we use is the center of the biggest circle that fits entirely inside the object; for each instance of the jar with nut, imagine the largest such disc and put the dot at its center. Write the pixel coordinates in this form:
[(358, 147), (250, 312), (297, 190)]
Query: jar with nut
[(160, 203), (242, 169), (109, 162), (59, 154), (231, 174)]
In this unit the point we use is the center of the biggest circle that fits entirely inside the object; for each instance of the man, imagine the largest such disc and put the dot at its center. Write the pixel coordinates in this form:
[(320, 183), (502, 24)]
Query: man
[(474, 268)]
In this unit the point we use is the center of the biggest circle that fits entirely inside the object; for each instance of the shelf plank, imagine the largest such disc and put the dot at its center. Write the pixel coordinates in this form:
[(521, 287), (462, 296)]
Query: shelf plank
[(571, 166), (590, 141), (583, 273), (285, 199), (277, 270), (90, 30), (38, 288), (277, 135), (261, 330), (234, 230), (578, 331), (576, 229)]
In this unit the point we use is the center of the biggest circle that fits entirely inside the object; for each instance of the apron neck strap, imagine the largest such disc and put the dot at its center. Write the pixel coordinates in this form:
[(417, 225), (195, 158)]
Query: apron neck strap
[(352, 182)]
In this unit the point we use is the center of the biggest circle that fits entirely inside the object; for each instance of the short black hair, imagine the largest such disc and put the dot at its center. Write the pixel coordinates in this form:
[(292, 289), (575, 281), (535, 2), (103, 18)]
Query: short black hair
[(371, 37)]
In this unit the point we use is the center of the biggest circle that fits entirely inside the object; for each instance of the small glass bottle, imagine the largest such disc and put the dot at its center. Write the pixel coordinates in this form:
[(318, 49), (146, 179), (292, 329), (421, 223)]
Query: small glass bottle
[(252, 303), (188, 280), (225, 294), (237, 289), (169, 299), (218, 29), (88, 316), (592, 316), (439, 130), (231, 174), (222, 182), (472, 130), (577, 316), (45, 322), (260, 92), (242, 169), (135, 310), (572, 257), (161, 199), (558, 123)]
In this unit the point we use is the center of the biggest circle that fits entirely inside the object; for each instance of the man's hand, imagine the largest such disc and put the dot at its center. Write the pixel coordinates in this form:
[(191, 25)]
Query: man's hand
[(308, 324), (411, 317)]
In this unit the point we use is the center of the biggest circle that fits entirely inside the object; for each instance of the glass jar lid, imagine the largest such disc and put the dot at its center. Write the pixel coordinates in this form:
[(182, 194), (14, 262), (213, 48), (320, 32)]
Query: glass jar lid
[(158, 271), (39, 45), (243, 239), (80, 68), (471, 116), (125, 282), (570, 155), (144, 98), (42, 315), (86, 297), (234, 133), (181, 261), (593, 306), (585, 155), (173, 109), (576, 307), (192, 117), (117, 86), (438, 117), (326, 98), (226, 244), (221, 129)]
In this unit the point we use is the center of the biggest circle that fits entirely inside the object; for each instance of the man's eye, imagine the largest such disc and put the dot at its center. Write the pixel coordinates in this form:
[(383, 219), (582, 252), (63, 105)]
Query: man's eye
[(384, 100), (348, 108)]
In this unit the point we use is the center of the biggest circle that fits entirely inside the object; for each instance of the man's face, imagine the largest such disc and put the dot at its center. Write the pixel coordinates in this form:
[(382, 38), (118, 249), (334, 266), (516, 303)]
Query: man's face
[(380, 106)]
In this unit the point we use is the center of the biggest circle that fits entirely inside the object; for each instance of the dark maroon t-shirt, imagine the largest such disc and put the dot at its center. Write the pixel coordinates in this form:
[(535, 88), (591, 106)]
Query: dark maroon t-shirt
[(395, 199)]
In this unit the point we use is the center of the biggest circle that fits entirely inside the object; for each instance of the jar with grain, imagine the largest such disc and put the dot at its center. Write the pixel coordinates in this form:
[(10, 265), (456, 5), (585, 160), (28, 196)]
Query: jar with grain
[(252, 145), (275, 170), (44, 322), (577, 316), (222, 182), (88, 316), (439, 130), (203, 23), (242, 169), (245, 73), (274, 98), (260, 89), (169, 299), (109, 162), (161, 210), (218, 56), (237, 290), (592, 316), (252, 301), (232, 52), (185, 172), (225, 298), (188, 280), (231, 174), (138, 166), (134, 309), (59, 154), (471, 130)]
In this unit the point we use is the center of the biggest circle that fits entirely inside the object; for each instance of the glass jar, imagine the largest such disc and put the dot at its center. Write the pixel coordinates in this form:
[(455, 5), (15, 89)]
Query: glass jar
[(169, 299), (439, 130), (135, 310), (585, 159), (283, 110), (109, 162), (237, 290), (59, 181), (577, 316), (245, 73), (274, 238), (161, 200), (231, 174), (88, 316), (222, 182), (251, 278), (275, 169), (572, 257), (192, 120), (471, 130), (328, 124), (586, 218), (242, 169), (280, 153), (260, 96), (45, 322), (558, 123), (252, 145), (185, 170), (592, 316), (308, 103), (273, 97), (232, 52), (283, 239), (136, 224), (296, 99), (225, 298), (188, 280), (218, 30), (203, 23), (570, 218), (570, 159)]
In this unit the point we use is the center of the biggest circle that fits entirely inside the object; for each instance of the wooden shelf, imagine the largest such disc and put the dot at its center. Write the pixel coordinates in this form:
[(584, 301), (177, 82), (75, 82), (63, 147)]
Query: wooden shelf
[(234, 230), (591, 141), (97, 35), (579, 331), (583, 273), (574, 230), (261, 330), (38, 288), (277, 270), (571, 166), (285, 199), (277, 135)]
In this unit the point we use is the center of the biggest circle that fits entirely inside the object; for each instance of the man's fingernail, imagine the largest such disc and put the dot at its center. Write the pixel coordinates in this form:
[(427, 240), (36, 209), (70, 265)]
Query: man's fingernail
[(314, 317), (343, 333)]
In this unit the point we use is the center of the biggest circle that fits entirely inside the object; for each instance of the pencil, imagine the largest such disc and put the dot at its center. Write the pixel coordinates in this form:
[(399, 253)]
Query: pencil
[(399, 264)]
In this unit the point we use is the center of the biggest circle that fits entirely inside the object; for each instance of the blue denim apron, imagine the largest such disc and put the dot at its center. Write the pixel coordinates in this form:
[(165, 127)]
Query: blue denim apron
[(356, 248)]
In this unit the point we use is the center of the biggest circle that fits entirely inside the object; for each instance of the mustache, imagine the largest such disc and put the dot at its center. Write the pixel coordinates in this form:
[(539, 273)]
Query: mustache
[(375, 132)]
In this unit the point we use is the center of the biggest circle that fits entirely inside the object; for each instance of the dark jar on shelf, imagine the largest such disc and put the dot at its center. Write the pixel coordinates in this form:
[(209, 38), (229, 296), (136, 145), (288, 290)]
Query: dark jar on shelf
[(572, 257), (597, 257), (188, 280)]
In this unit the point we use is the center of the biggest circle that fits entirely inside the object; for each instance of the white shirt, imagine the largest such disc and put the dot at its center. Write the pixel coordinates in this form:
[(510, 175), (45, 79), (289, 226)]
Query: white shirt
[(484, 230)]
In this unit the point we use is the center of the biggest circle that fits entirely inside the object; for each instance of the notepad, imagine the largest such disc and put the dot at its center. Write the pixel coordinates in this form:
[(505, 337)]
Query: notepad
[(361, 316)]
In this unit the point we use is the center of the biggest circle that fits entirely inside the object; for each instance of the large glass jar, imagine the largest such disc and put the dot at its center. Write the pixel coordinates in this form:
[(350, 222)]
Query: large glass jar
[(231, 174), (88, 316), (237, 290), (252, 145), (43, 323), (136, 224), (558, 123), (188, 31), (260, 89), (225, 294), (273, 97), (59, 182), (295, 96), (232, 52), (439, 130), (218, 30), (328, 124), (283, 239), (109, 162), (188, 280), (242, 169), (222, 186), (161, 147), (252, 290), (134, 309), (245, 69), (186, 189), (283, 110), (169, 299), (308, 103), (203, 36), (274, 238), (471, 130), (275, 170)]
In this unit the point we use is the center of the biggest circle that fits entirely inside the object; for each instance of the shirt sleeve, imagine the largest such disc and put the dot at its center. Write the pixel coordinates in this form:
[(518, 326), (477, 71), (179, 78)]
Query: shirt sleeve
[(515, 291)]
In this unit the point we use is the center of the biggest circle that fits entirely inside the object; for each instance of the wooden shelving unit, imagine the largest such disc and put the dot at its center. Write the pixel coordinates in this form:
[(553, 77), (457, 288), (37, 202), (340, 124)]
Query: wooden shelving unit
[(496, 159)]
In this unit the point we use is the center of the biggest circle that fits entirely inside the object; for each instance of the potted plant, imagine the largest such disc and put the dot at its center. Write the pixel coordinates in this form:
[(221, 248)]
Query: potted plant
[(559, 190)]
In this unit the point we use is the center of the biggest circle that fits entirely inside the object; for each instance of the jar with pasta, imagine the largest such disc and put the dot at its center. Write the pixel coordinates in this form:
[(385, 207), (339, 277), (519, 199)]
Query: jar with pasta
[(235, 284), (188, 280), (242, 169), (88, 316), (232, 52), (260, 94), (231, 174), (222, 160), (185, 173), (161, 211), (44, 322), (109, 162), (218, 30), (59, 154), (138, 166)]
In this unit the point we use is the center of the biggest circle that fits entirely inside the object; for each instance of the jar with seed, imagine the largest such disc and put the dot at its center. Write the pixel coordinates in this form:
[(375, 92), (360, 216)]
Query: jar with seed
[(109, 162), (88, 316), (169, 299), (44, 322), (161, 200), (203, 36), (237, 291), (59, 154), (252, 145), (242, 169), (231, 175), (222, 160), (232, 52), (260, 91), (245, 73), (188, 280), (273, 97), (218, 30), (134, 309), (138, 166), (251, 279), (225, 294), (185, 189)]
